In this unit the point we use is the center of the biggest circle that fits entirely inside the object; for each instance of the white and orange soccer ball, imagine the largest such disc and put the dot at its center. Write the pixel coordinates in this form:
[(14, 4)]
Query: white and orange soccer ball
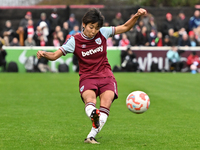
[(138, 102)]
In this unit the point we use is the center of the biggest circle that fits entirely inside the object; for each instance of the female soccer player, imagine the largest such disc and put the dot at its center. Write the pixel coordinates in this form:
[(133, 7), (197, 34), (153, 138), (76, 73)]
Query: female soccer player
[(96, 77)]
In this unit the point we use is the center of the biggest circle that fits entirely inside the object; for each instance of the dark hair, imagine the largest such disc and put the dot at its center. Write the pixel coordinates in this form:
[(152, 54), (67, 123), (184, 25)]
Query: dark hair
[(93, 15), (194, 53), (128, 48)]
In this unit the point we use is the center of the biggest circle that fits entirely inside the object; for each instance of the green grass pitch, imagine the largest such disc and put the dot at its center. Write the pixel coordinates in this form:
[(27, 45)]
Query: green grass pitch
[(45, 112)]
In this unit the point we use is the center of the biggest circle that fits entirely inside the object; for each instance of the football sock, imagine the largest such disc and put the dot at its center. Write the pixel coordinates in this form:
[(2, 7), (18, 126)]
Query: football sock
[(104, 112), (92, 133), (89, 107)]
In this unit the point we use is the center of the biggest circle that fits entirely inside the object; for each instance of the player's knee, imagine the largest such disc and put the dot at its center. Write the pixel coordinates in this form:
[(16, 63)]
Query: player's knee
[(89, 100), (89, 97), (106, 103)]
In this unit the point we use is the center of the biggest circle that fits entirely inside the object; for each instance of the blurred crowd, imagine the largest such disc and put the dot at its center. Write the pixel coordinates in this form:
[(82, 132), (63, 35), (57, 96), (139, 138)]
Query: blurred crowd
[(50, 31), (47, 31), (175, 30)]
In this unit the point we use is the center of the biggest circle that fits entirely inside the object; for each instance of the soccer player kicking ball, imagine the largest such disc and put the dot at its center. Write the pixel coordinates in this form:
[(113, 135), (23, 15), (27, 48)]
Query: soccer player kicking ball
[(96, 77)]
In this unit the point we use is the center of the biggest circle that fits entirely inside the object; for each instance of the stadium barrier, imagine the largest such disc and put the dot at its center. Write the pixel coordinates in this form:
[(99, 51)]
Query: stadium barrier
[(145, 56)]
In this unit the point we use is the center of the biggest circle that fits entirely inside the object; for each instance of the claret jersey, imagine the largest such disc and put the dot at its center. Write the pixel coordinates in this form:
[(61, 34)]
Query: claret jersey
[(91, 53)]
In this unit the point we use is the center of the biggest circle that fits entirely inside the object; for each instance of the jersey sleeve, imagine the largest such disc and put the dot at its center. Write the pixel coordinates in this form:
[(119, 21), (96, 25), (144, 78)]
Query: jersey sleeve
[(107, 31), (68, 46)]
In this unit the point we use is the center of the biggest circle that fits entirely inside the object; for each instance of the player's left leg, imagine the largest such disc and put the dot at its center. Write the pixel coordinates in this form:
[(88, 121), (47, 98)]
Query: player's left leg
[(106, 99)]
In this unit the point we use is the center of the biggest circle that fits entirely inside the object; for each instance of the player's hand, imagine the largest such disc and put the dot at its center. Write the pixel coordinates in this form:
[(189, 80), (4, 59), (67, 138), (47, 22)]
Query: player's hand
[(40, 54), (141, 12)]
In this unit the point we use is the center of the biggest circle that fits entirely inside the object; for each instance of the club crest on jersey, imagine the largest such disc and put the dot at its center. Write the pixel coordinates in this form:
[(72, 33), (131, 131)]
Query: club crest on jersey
[(83, 46), (98, 41), (82, 88)]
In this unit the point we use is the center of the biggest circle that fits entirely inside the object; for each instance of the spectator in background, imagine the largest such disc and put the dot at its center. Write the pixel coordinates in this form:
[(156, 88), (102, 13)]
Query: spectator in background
[(54, 36), (166, 41), (181, 32), (117, 20), (3, 54), (37, 35), (56, 42), (152, 37), (174, 58), (24, 21), (15, 42), (61, 38), (139, 26), (124, 41), (8, 32), (110, 41), (168, 24), (184, 40), (30, 31), (116, 39), (54, 20), (149, 22), (45, 31), (30, 41), (72, 22), (57, 29), (142, 38), (75, 30), (173, 37), (159, 39), (152, 23), (145, 19), (192, 39), (192, 59), (128, 60), (42, 41), (181, 22), (131, 34), (43, 17), (65, 29), (194, 21)]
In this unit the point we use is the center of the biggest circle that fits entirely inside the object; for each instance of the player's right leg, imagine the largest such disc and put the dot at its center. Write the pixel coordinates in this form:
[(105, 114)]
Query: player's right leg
[(89, 98)]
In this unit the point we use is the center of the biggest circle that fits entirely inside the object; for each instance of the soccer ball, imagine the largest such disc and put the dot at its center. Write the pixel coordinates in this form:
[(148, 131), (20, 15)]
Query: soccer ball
[(138, 102)]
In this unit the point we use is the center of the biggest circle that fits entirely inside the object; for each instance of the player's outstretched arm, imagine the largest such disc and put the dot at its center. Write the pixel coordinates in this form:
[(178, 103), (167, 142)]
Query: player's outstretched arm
[(50, 55), (130, 23)]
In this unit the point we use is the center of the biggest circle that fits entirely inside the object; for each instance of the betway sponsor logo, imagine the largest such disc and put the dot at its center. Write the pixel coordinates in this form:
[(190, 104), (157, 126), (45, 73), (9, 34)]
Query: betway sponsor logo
[(92, 51)]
